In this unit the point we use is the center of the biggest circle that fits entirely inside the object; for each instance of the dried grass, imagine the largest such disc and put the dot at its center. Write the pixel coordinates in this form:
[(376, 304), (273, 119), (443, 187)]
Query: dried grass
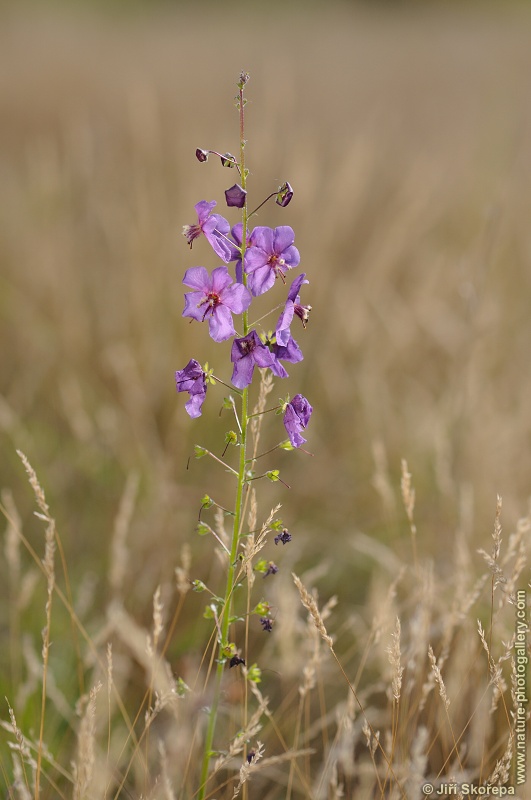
[(414, 234)]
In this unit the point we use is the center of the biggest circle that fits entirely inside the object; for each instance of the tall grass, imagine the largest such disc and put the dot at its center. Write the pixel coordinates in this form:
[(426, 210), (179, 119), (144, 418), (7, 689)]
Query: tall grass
[(407, 140)]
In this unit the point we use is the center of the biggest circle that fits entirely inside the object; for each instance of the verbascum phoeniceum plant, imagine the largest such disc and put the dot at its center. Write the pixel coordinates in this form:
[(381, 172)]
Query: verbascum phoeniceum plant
[(254, 261)]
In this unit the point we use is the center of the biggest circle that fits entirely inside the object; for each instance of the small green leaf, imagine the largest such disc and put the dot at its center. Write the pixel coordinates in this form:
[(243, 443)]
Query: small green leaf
[(181, 687), (228, 650), (262, 608), (254, 674), (231, 437), (202, 528), (286, 445), (200, 451)]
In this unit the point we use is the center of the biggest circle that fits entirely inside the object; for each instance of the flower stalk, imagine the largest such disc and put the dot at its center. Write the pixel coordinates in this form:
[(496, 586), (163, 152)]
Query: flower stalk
[(238, 505), (262, 257)]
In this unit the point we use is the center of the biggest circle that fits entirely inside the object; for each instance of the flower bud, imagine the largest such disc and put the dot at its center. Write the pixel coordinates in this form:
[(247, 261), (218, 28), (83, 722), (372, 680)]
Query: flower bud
[(284, 195), (235, 196), (201, 155), (227, 160)]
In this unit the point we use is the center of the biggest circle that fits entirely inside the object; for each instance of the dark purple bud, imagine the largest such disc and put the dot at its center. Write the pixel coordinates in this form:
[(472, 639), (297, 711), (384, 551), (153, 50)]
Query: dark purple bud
[(228, 160), (201, 155), (272, 569), (267, 624), (244, 77), (250, 756), (296, 418), (283, 537), (235, 196), (236, 661), (284, 195)]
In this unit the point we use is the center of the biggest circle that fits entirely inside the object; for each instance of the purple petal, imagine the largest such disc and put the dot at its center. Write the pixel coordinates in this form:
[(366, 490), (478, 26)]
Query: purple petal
[(255, 257), (282, 239), (220, 324), (282, 331), (294, 289), (263, 356), (236, 232), (203, 209), (192, 379), (193, 305), (197, 278), (293, 427), (278, 370), (296, 418), (291, 257), (222, 226), (237, 297), (242, 373), (261, 280), (220, 247), (193, 405), (263, 237), (220, 280), (303, 409), (290, 352)]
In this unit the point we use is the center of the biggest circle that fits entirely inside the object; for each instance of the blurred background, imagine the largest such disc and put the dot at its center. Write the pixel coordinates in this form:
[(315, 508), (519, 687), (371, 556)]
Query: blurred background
[(405, 130)]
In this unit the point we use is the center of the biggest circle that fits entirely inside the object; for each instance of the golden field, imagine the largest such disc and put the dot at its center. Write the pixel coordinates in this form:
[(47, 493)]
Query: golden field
[(407, 138)]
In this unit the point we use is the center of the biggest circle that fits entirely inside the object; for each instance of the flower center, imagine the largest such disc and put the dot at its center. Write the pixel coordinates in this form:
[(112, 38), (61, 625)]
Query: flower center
[(212, 299), (247, 346), (303, 312), (191, 232), (277, 263)]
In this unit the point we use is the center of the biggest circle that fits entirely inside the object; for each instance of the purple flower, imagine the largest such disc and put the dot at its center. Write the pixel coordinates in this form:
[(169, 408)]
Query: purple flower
[(246, 354), (192, 379), (213, 226), (272, 253), (267, 624), (291, 353), (235, 661), (272, 569), (283, 537), (296, 418), (235, 196), (217, 298), (291, 308)]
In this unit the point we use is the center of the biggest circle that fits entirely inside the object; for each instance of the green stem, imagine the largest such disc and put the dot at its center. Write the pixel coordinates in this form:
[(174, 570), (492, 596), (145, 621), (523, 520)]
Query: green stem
[(238, 505)]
